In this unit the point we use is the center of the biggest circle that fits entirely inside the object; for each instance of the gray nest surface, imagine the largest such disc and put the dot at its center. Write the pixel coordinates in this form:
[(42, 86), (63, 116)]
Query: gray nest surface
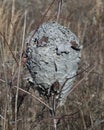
[(53, 54)]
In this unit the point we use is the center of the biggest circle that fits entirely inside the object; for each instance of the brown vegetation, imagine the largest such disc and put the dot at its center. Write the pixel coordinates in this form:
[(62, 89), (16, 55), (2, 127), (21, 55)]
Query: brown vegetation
[(20, 108)]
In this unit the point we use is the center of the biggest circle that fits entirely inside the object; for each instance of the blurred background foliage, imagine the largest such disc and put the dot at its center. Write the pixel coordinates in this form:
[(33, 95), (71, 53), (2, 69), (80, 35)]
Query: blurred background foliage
[(84, 109)]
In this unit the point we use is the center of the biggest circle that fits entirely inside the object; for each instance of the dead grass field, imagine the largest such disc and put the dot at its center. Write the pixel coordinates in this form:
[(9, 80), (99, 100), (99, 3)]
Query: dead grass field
[(84, 109)]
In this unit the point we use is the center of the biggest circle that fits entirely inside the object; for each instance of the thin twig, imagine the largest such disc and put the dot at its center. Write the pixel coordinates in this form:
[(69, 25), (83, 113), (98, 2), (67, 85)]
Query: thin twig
[(42, 19), (59, 9), (84, 70), (2, 117), (2, 80), (57, 117), (83, 120), (79, 82), (5, 42), (35, 97)]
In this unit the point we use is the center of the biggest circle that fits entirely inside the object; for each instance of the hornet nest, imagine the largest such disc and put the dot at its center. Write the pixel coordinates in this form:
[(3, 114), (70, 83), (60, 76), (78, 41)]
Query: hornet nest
[(53, 54)]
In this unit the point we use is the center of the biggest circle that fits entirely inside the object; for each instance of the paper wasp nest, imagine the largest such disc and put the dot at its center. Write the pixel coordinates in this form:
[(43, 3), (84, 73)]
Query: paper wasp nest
[(53, 54)]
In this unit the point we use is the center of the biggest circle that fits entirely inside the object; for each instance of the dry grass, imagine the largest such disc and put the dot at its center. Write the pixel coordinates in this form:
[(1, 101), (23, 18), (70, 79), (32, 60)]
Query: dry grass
[(84, 109)]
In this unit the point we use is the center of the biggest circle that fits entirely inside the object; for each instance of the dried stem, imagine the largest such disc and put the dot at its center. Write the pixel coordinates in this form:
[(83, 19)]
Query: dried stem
[(6, 85), (5, 42), (3, 118), (79, 82), (53, 111), (83, 120), (35, 97), (59, 10), (41, 21), (12, 19), (84, 70), (19, 70)]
